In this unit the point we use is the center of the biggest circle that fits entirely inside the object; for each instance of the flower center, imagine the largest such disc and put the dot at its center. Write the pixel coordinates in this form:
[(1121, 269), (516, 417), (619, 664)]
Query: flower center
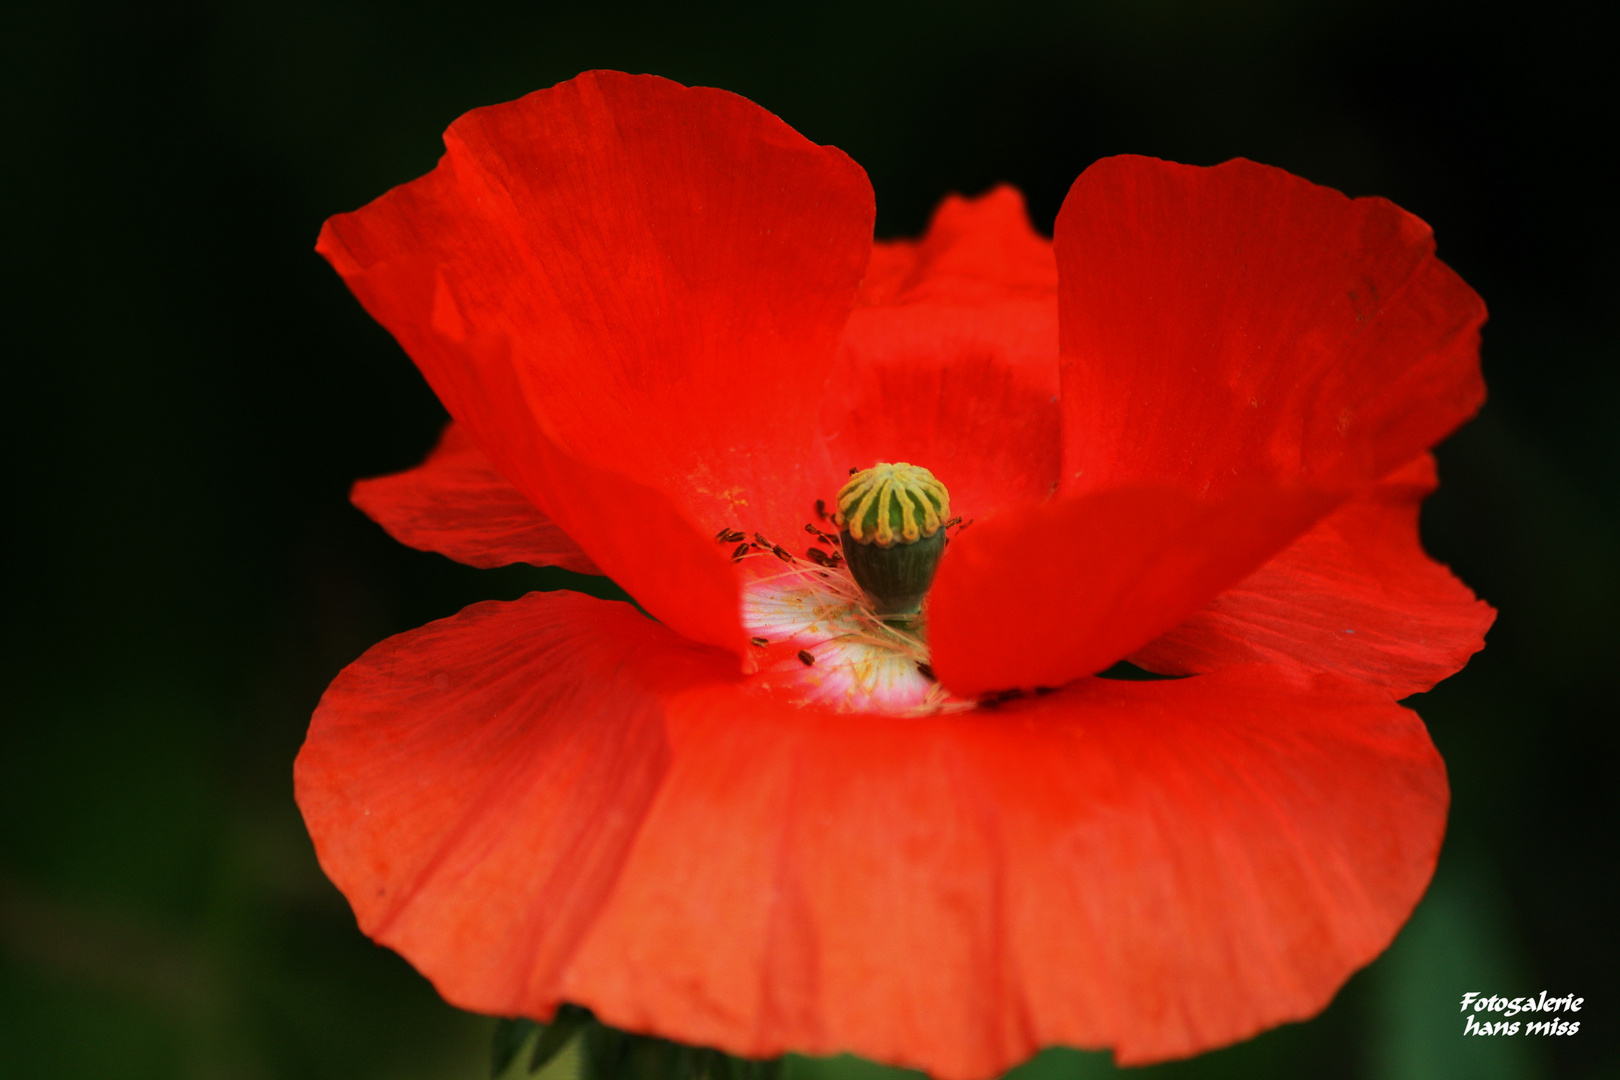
[(843, 626), (892, 530)]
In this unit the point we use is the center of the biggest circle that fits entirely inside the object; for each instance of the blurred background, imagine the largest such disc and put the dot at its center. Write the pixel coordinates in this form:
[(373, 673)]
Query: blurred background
[(192, 391)]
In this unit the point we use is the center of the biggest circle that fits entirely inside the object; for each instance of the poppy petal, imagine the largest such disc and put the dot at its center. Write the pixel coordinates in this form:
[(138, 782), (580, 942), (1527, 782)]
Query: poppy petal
[(1235, 323), (556, 799), (1356, 595), (1043, 594), (950, 362), (669, 268), (1267, 346), (473, 786), (636, 535), (976, 250), (457, 504)]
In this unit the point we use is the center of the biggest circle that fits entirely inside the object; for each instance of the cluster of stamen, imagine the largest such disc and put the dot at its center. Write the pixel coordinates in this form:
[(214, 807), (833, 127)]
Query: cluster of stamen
[(817, 636)]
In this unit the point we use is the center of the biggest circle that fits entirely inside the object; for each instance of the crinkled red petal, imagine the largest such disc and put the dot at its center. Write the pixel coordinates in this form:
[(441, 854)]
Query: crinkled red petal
[(557, 799), (635, 535), (647, 281), (1263, 346), (950, 362), (457, 504), (1356, 595), (474, 786), (1228, 324)]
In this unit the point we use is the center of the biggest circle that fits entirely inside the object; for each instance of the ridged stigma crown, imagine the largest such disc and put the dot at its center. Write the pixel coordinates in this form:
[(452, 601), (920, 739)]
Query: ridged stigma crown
[(892, 503)]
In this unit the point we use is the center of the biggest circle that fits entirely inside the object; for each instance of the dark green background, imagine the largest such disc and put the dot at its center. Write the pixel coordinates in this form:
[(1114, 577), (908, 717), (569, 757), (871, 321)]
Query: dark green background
[(190, 390)]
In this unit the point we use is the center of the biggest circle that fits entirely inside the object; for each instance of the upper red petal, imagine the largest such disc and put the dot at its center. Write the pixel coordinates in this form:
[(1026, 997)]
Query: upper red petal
[(1356, 595), (559, 800), (950, 362), (1264, 346), (633, 280), (1236, 323), (457, 504), (636, 535)]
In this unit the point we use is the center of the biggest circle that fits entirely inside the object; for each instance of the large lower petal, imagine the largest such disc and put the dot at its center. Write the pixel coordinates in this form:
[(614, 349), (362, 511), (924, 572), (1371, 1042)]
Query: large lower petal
[(474, 786), (1356, 595), (457, 504), (556, 799)]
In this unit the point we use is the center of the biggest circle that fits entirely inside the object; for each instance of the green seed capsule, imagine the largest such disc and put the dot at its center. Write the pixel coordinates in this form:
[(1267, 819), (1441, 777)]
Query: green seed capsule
[(891, 519)]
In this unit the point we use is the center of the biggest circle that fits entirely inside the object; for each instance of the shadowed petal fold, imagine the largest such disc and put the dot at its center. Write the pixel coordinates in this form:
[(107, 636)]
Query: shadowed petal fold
[(457, 504), (557, 799)]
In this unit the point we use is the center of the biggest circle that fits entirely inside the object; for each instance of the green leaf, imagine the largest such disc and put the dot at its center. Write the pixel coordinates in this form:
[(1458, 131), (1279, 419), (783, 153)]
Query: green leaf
[(510, 1035), (607, 1053), (569, 1021)]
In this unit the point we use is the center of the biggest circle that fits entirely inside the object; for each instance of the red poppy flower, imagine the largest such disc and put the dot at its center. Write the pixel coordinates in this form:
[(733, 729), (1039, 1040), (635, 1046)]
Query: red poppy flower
[(1191, 430)]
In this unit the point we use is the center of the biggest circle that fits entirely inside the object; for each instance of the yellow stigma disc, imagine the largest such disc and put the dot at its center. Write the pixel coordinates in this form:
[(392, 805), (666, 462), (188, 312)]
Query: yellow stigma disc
[(892, 504)]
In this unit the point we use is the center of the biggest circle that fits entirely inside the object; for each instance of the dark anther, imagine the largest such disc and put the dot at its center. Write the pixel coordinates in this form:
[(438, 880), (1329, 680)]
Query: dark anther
[(995, 698), (734, 535), (821, 509), (853, 469), (764, 543), (739, 552), (1042, 691), (954, 521), (926, 671), (819, 557), (761, 642), (722, 536), (781, 553), (806, 658)]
